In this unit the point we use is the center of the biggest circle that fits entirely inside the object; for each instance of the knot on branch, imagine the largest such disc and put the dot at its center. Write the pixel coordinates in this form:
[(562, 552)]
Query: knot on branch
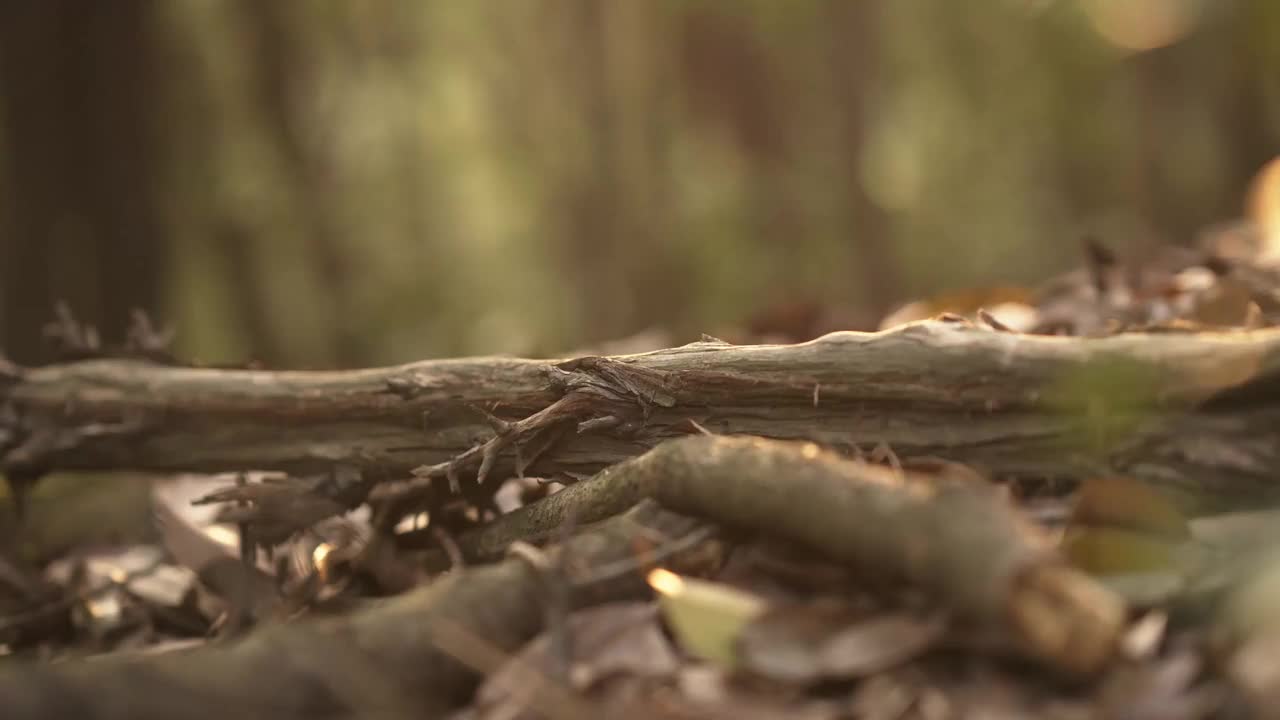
[(616, 380), (531, 437), (585, 384)]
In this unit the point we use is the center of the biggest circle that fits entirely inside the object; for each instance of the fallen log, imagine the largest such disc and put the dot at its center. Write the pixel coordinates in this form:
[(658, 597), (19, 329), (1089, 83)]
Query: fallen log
[(1197, 412)]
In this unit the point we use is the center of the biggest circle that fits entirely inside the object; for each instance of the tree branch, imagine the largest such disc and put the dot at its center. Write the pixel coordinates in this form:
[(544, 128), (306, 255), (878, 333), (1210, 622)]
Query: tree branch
[(1197, 412)]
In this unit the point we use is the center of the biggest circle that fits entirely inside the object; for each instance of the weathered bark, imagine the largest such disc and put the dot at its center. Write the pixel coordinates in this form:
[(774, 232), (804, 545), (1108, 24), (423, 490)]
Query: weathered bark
[(1199, 412)]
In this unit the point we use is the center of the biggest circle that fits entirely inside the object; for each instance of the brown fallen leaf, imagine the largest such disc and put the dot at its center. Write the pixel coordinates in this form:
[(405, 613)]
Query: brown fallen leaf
[(609, 640), (1120, 525), (1011, 306), (879, 643), (828, 640)]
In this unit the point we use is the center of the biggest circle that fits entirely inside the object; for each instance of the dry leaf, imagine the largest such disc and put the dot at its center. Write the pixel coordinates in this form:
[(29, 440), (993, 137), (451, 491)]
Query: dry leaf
[(706, 617), (825, 640), (609, 640), (1121, 526), (1264, 209), (1012, 306)]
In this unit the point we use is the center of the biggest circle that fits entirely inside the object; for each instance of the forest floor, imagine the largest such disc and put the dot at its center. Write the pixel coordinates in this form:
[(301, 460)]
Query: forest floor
[(1052, 503)]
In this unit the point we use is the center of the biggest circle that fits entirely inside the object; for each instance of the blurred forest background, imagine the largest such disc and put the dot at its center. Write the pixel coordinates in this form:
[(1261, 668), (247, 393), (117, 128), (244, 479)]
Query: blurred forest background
[(321, 184)]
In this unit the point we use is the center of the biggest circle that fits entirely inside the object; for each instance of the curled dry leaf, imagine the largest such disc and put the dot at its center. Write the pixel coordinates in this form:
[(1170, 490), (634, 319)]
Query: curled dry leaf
[(786, 643), (609, 640), (1168, 687), (828, 641), (879, 643)]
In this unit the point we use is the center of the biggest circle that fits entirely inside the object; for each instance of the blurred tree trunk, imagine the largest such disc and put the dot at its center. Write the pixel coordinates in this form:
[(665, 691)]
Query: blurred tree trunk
[(735, 86), (855, 58), (79, 85), (1245, 123), (283, 76), (1175, 210), (1170, 211), (599, 230)]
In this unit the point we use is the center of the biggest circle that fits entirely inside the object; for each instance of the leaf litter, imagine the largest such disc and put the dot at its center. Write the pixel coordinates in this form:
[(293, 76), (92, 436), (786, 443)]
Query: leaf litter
[(776, 632)]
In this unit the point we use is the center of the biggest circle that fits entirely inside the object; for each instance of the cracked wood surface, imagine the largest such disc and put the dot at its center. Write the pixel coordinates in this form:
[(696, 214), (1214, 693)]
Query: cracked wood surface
[(1195, 411)]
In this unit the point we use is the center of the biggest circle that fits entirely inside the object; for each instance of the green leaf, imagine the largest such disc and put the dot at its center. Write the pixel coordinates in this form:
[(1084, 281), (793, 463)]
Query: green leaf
[(706, 617)]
